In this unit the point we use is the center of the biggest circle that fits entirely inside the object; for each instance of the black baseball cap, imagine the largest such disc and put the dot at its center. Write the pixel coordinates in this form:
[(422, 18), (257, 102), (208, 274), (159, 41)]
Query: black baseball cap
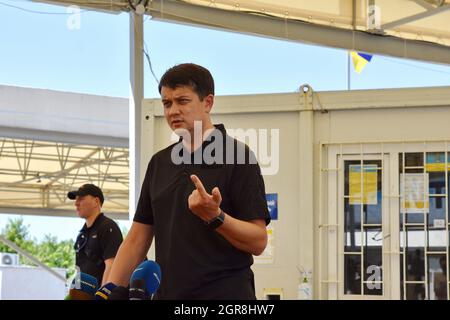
[(87, 189)]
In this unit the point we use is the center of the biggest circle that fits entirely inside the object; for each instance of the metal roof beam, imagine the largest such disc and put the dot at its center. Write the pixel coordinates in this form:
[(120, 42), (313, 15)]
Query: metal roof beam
[(299, 31), (423, 4), (415, 17), (110, 6), (65, 137)]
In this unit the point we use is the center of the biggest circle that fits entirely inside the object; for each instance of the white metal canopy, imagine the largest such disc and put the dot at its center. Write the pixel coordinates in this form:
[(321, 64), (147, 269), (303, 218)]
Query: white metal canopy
[(415, 29), (52, 142)]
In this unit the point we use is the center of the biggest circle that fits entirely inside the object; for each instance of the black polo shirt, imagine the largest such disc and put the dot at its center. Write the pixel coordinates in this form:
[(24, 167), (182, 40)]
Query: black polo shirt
[(96, 244), (197, 262)]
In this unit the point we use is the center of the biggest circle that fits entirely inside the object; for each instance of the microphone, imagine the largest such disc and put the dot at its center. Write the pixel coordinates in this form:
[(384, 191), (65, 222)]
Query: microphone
[(83, 287), (145, 280)]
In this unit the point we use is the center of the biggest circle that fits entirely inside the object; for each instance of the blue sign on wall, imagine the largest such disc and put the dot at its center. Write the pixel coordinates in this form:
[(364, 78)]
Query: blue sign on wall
[(272, 205)]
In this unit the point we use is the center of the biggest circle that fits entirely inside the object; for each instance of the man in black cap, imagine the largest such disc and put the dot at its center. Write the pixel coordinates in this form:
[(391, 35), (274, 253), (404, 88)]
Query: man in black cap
[(100, 238)]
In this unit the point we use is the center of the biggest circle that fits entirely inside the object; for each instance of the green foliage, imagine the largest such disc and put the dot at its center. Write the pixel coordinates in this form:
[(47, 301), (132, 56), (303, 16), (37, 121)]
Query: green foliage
[(54, 253), (18, 233)]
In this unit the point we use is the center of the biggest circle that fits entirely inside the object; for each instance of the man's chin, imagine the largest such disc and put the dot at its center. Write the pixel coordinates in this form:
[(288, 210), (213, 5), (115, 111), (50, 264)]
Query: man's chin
[(180, 131)]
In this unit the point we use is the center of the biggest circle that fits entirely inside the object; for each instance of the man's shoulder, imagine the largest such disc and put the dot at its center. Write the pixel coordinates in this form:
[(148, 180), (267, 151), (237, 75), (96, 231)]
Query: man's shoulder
[(163, 154), (238, 143), (107, 222), (243, 154)]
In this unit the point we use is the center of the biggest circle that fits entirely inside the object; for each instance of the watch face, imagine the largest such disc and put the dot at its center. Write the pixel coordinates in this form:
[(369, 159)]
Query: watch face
[(215, 223)]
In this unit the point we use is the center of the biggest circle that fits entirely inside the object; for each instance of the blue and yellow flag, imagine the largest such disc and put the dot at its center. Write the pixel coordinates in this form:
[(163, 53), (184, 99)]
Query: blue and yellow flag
[(360, 60)]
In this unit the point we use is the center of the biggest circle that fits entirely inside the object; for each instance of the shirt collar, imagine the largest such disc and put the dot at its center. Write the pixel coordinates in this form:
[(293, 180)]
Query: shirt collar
[(96, 222), (220, 127)]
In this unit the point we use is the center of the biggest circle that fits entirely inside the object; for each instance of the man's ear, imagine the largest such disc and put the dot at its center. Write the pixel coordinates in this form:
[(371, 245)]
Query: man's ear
[(209, 101)]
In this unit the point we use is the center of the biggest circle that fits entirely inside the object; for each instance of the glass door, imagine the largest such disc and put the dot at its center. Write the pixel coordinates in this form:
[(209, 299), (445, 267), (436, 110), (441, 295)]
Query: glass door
[(384, 229)]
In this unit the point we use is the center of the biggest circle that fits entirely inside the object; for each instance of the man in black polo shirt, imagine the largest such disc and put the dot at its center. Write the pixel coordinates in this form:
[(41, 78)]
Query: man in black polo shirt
[(203, 199), (99, 239)]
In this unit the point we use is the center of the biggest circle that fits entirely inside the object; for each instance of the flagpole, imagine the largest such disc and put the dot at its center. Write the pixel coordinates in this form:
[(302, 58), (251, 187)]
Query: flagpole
[(348, 70)]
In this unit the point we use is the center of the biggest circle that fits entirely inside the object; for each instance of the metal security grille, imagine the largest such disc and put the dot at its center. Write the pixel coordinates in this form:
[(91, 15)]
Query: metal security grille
[(424, 225), (383, 220)]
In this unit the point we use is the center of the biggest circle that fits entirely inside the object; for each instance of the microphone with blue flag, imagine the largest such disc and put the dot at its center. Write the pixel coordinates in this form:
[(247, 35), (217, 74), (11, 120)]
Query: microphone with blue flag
[(145, 280), (83, 287)]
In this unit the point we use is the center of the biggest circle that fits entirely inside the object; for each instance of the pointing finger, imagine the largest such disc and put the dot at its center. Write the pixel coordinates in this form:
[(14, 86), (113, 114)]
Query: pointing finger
[(199, 185)]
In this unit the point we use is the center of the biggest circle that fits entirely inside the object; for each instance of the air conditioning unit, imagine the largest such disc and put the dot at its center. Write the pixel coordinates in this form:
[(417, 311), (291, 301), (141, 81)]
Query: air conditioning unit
[(9, 259)]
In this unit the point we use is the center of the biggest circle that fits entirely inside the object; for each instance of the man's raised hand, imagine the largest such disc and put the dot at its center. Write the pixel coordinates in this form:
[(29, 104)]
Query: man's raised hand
[(204, 205)]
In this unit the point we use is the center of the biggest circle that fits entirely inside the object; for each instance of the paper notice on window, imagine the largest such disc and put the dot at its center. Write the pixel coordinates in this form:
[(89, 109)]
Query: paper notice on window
[(413, 193), (267, 256), (368, 185)]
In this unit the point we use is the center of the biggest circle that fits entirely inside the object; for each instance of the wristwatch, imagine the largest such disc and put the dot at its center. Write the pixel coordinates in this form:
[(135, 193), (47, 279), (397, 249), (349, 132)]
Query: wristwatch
[(216, 222)]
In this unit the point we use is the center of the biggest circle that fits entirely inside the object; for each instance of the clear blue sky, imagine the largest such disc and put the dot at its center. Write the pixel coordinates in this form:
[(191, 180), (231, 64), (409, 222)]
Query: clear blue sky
[(38, 50)]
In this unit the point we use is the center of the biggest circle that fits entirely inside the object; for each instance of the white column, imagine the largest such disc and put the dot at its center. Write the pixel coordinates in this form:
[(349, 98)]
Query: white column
[(135, 110), (306, 198)]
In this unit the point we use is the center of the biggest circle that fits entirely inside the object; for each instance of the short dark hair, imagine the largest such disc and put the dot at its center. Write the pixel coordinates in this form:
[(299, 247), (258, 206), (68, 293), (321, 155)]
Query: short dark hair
[(189, 74)]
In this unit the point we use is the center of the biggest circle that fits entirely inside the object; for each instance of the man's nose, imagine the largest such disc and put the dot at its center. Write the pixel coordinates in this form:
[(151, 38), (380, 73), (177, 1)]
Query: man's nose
[(174, 109)]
